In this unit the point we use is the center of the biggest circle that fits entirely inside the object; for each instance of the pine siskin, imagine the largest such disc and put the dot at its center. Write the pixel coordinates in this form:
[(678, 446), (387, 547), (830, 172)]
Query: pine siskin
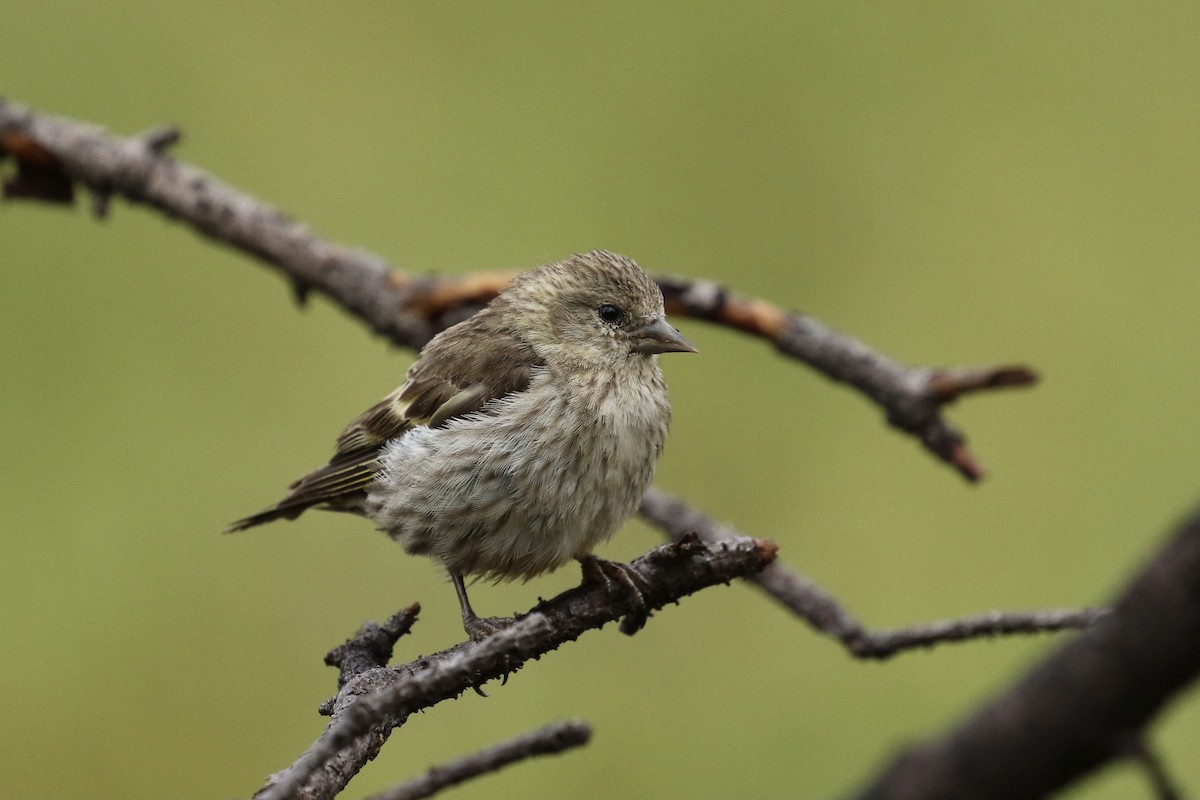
[(521, 438)]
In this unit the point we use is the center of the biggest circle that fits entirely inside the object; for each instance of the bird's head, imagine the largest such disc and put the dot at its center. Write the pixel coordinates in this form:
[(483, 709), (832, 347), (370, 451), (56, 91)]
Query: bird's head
[(590, 310)]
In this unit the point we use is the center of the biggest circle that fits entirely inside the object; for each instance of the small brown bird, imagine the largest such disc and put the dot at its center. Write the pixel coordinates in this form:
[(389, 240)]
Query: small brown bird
[(521, 438)]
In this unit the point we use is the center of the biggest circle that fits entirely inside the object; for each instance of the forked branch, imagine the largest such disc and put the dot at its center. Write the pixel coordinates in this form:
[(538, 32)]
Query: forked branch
[(375, 700), (822, 611)]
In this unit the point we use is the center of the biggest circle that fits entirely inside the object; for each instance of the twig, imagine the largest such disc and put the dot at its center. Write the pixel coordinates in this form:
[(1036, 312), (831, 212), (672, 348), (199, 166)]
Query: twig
[(912, 397), (547, 740), (820, 610), (390, 706), (53, 152), (1081, 706), (1140, 753), (371, 646), (377, 700), (136, 169)]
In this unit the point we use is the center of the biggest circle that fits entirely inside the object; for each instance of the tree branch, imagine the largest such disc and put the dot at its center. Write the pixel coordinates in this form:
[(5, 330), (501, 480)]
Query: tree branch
[(912, 397), (376, 700), (1079, 708), (371, 647), (819, 609), (1140, 753), (52, 153), (547, 740)]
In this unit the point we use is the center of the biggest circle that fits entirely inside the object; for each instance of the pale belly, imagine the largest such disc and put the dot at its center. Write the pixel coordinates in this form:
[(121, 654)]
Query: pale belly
[(522, 491)]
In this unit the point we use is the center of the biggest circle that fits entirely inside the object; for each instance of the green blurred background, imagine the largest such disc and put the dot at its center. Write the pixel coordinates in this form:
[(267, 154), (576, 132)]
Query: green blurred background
[(954, 183)]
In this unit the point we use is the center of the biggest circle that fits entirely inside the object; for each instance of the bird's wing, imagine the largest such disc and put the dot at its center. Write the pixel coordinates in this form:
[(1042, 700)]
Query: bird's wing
[(455, 375)]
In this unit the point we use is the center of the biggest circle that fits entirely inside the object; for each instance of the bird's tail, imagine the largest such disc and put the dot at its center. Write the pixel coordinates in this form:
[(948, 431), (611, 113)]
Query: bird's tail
[(277, 511), (340, 485)]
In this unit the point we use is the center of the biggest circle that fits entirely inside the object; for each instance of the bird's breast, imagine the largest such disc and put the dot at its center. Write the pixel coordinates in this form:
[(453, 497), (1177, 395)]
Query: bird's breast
[(531, 481)]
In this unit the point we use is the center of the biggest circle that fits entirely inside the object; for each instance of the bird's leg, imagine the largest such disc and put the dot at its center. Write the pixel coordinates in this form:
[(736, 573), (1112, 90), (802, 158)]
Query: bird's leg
[(619, 579), (476, 627)]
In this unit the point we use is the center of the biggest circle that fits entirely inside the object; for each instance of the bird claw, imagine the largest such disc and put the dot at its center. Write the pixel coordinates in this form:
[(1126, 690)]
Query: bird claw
[(480, 628), (622, 581)]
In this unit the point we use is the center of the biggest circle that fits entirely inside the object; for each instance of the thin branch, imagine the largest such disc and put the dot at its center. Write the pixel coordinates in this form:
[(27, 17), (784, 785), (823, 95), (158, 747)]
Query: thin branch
[(375, 714), (1141, 754), (1080, 707), (377, 700), (363, 284), (886, 643), (548, 740), (53, 152), (371, 646), (819, 609), (912, 397)]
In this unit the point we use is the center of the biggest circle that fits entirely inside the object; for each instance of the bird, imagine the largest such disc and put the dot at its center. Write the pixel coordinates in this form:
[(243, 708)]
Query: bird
[(521, 438)]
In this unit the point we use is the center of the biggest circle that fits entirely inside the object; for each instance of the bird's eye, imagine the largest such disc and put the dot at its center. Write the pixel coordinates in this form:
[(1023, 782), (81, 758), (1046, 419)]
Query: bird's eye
[(610, 313)]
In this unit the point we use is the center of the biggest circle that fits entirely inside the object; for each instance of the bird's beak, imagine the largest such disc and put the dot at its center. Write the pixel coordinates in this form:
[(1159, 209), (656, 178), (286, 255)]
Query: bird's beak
[(660, 337)]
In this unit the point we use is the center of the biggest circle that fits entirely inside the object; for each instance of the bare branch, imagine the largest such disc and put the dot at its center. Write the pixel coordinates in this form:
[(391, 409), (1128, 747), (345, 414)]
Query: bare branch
[(376, 713), (377, 700), (134, 168), (371, 646), (53, 152), (912, 397), (1140, 753), (885, 643), (1081, 706), (547, 740), (820, 610)]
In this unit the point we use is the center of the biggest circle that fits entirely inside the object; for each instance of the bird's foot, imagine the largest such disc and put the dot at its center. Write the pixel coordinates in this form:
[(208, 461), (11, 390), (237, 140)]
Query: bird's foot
[(620, 580), (479, 628)]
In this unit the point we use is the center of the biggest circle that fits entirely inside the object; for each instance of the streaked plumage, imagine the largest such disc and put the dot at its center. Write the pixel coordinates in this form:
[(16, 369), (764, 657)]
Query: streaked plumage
[(522, 437)]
